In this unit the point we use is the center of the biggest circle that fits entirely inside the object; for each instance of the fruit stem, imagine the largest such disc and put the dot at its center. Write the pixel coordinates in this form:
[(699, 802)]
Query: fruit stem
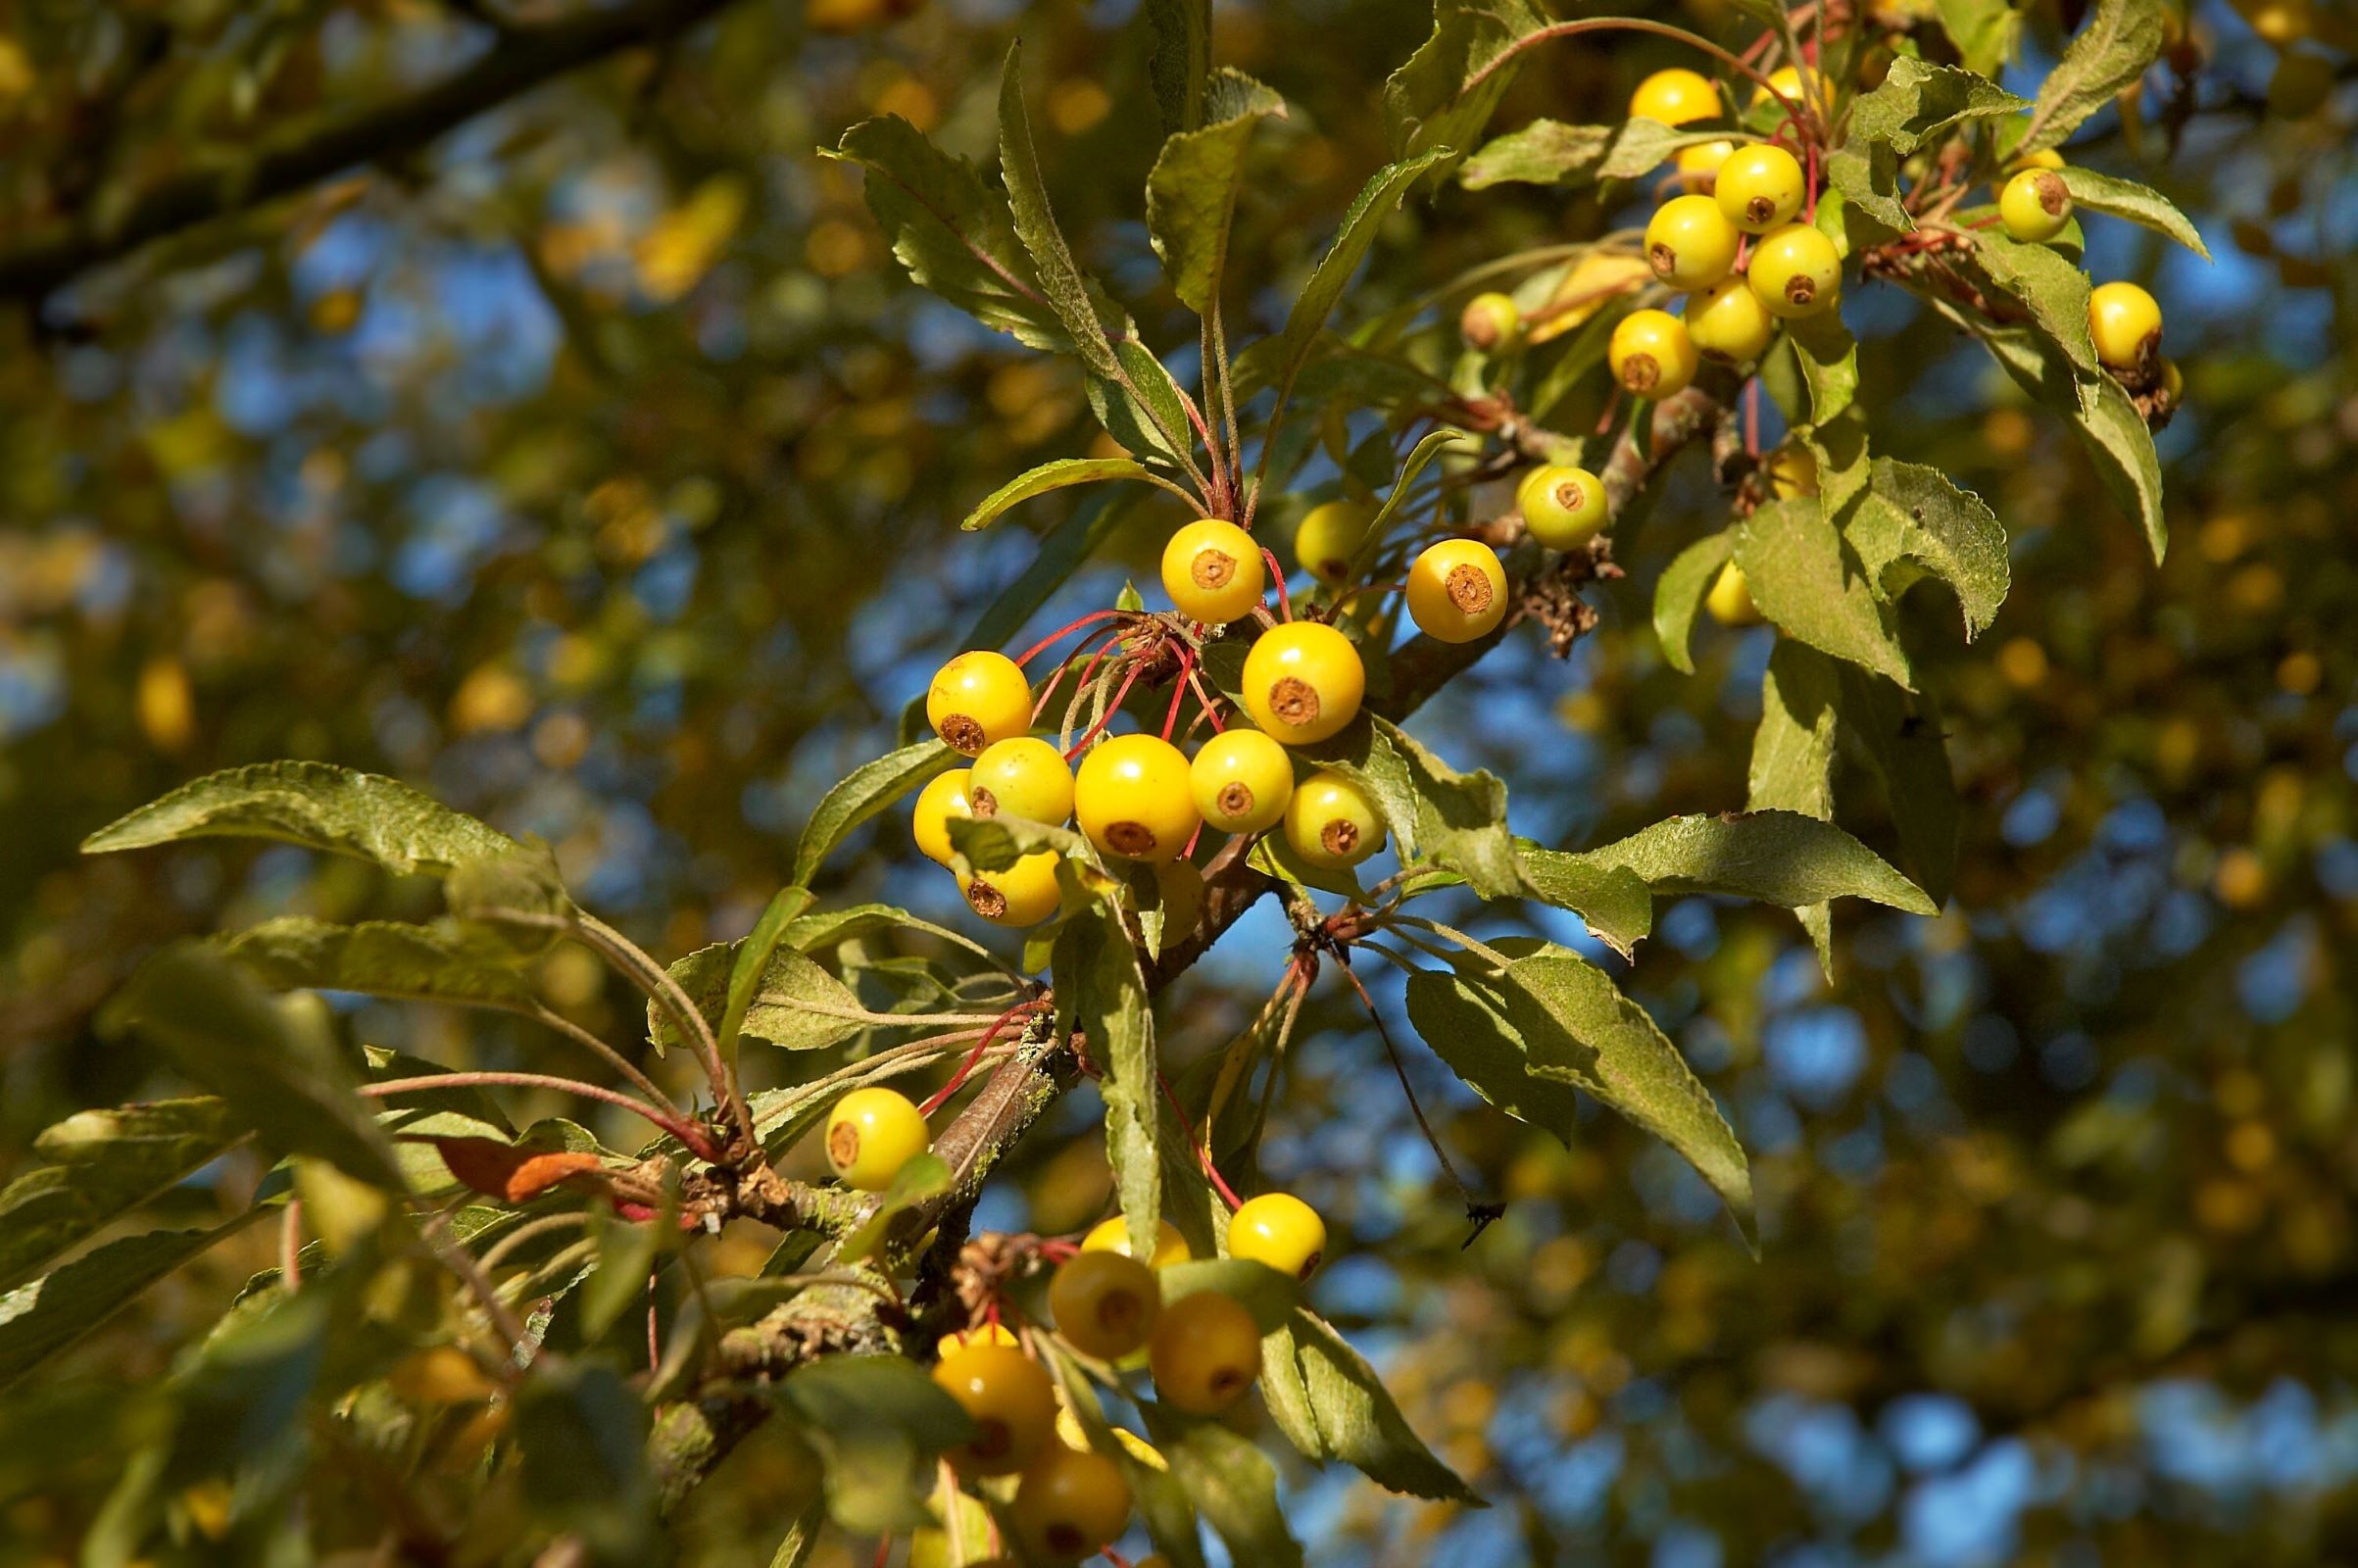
[(1186, 665), (1203, 1149), (1064, 632), (685, 1131), (1285, 601), (1567, 29), (1399, 1070), (1205, 698), (1137, 667), (957, 1079), (1047, 688)]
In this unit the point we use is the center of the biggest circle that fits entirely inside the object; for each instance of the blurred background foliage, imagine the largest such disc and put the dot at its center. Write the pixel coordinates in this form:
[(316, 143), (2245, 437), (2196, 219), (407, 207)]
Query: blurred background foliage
[(587, 461)]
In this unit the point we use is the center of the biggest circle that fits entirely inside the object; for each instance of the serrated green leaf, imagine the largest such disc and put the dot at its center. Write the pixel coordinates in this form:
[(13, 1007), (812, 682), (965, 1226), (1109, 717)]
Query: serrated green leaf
[(1615, 905), (1550, 1019), (865, 791), (1793, 755), (2045, 284), (1055, 475), (101, 1165), (437, 963), (1984, 32), (1827, 357), (1914, 524), (1806, 581), (1088, 316), (50, 1315), (794, 1004), (1866, 174), (1340, 1409), (949, 232), (319, 806), (626, 1255), (1443, 95), (1192, 190), (1101, 993), (749, 966), (1180, 63), (1678, 595), (2138, 203), (1549, 152), (1916, 104), (1897, 735), (2117, 435), (1773, 857), (801, 1539), (1270, 1296), (1374, 203), (2112, 51), (1234, 1487), (995, 843), (1437, 815)]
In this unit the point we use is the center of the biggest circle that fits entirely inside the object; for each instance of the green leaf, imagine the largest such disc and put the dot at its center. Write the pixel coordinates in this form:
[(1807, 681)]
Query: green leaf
[(1101, 993), (1615, 905), (867, 790), (1804, 579), (1181, 60), (1234, 1486), (1827, 357), (319, 807), (1431, 446), (750, 967), (1435, 814), (1915, 524), (1679, 597), (1088, 316), (1867, 174), (583, 1438), (1048, 477), (101, 1165), (1773, 857), (1984, 32), (1793, 755), (1139, 406), (1374, 203), (2122, 443), (794, 1004), (1897, 735), (1917, 104), (995, 843), (1270, 1296), (2139, 204), (52, 1314), (1551, 1020), (1443, 95), (465, 1110), (882, 1421), (2111, 52), (1549, 152), (1345, 1412), (924, 1177), (951, 231), (381, 958), (278, 1069), (801, 1539), (1192, 191), (2050, 288)]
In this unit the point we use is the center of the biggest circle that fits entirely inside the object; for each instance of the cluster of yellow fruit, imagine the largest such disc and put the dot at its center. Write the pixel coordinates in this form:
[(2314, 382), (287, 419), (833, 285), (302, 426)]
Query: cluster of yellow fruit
[(1203, 1350)]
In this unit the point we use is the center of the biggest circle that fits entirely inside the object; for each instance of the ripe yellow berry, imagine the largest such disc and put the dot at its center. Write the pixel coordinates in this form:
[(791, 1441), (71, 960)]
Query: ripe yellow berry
[(1704, 158), (1489, 320), (1071, 1503), (2034, 204), (1132, 798), (1795, 272), (941, 801), (1793, 471), (1457, 590), (978, 698), (1675, 97), (1563, 508), (1730, 599), (1330, 821), (1023, 778), (1651, 354), (1113, 1236), (1205, 1353), (1303, 681), (1241, 779), (1689, 242), (1212, 570), (1010, 1401), (871, 1133), (1024, 894), (1787, 80), (1180, 885), (2127, 324), (2044, 157), (1728, 322), (957, 1340), (1104, 1304), (1280, 1230), (1759, 188), (1328, 537), (2173, 384)]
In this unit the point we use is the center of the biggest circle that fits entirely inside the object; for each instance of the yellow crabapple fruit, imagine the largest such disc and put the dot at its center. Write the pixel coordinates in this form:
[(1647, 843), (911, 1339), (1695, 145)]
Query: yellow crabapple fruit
[(1651, 354), (1212, 570), (1241, 779), (1303, 681), (871, 1133), (1279, 1230), (1010, 1400), (1689, 243), (941, 801), (1104, 1304), (1330, 821), (1024, 894), (1795, 272), (2034, 204), (1328, 537), (1728, 322), (1131, 798), (1023, 778), (1457, 590), (1760, 187), (1113, 1236), (978, 698), (1563, 507), (1204, 1352)]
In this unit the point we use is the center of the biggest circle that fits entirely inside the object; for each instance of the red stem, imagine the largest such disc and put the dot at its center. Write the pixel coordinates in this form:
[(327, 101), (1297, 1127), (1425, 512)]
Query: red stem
[(1205, 698), (1809, 210), (1136, 669), (1186, 665), (1284, 603), (1064, 632), (957, 1079), (1203, 1149), (686, 1132)]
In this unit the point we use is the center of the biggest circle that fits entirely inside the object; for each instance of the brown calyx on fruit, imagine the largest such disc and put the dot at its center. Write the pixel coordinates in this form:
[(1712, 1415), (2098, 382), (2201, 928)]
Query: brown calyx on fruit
[(965, 734), (843, 1139), (1235, 798), (992, 1440), (1570, 495), (1640, 373), (1800, 288), (1468, 587), (1212, 568), (1310, 1266), (1759, 209), (1228, 1382), (986, 899), (2053, 193), (1663, 259), (1340, 837), (981, 802), (1119, 1312), (1130, 838), (1294, 700), (1064, 1541)]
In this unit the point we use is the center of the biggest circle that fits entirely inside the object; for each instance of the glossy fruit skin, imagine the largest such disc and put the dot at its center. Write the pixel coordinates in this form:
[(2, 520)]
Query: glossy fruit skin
[(1011, 1401), (1024, 894), (2044, 157), (1760, 187), (1328, 537), (1795, 272), (2173, 383), (1071, 1503), (2126, 323), (976, 699), (1689, 242), (1205, 1353), (1563, 508), (2034, 204), (1728, 322), (1786, 79), (1330, 821), (1241, 779), (1132, 799), (1704, 158), (1675, 97), (1113, 1236), (1457, 590), (957, 1340), (1280, 1230), (1730, 600), (1651, 354), (871, 1133), (1303, 681), (1213, 571), (1104, 1304), (941, 802), (1488, 322), (1023, 778), (1793, 471), (1180, 887)]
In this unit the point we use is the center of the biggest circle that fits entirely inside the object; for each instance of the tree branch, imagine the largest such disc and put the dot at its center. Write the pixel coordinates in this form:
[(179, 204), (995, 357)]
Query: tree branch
[(237, 181)]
